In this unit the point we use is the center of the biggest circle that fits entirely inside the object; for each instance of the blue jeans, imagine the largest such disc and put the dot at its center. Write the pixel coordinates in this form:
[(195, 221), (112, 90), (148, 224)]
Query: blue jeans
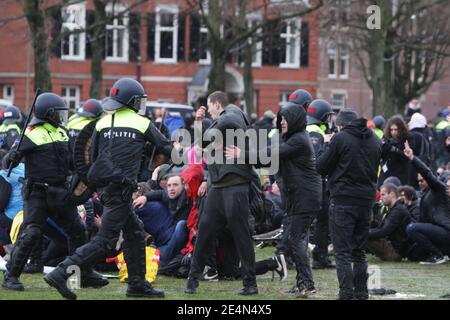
[(349, 227), (430, 237), (178, 240)]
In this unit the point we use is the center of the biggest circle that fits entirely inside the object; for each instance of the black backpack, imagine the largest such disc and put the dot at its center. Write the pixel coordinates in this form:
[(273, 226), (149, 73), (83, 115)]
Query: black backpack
[(5, 193)]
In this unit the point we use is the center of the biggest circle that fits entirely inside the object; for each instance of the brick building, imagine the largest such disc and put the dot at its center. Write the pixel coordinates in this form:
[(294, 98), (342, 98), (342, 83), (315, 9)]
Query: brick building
[(167, 43)]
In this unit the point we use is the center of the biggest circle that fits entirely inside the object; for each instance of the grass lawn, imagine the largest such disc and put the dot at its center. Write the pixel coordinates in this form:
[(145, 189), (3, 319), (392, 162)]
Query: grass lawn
[(414, 280)]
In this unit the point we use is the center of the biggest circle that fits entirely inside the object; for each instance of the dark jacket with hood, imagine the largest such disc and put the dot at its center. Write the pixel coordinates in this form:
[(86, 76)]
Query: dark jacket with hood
[(434, 203), (351, 161), (231, 118), (302, 184)]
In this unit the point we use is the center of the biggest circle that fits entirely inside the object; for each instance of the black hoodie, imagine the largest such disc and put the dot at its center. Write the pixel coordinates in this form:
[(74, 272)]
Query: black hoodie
[(351, 162), (301, 182)]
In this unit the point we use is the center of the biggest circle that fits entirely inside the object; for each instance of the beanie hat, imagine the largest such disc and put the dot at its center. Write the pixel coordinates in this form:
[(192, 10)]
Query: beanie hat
[(345, 116)]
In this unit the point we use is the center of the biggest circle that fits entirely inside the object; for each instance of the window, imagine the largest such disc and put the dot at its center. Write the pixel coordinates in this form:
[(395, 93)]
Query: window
[(117, 35), (284, 98), (73, 20), (205, 54), (338, 99), (291, 35), (166, 34), (8, 92), (332, 61), (71, 95), (256, 46), (338, 61), (343, 65)]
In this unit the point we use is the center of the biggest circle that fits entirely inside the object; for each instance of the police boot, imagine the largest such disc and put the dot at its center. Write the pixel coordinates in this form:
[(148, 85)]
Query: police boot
[(191, 286), (134, 253), (12, 283), (35, 264), (140, 288), (92, 279), (58, 280)]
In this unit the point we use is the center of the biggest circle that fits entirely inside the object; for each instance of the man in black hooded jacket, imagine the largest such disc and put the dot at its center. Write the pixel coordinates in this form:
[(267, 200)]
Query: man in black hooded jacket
[(351, 162)]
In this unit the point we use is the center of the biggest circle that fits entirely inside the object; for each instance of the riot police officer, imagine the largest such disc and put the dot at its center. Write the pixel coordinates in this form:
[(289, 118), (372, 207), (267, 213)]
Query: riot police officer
[(87, 112), (45, 148), (118, 143), (9, 130), (320, 123)]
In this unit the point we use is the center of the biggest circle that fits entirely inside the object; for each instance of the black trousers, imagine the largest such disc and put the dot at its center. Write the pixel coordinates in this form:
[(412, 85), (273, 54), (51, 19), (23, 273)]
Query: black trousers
[(229, 207), (117, 216), (321, 231), (41, 202), (299, 239), (349, 226)]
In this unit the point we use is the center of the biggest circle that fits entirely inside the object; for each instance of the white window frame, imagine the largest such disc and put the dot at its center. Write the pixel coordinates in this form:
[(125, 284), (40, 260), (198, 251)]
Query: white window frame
[(344, 57), (332, 54), (6, 96), (256, 63), (292, 34), (115, 27), (284, 95), (207, 61), (204, 30), (76, 15), (173, 9), (338, 92), (68, 98)]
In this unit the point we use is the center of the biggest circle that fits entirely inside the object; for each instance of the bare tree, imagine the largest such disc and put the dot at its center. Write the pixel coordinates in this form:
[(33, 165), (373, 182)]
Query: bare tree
[(400, 59), (228, 32)]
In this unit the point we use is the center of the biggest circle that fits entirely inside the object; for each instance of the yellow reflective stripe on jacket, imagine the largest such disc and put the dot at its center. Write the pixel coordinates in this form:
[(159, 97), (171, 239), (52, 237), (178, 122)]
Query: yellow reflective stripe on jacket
[(124, 118), (379, 133), (272, 132), (7, 127), (315, 128), (45, 134), (442, 125), (78, 123)]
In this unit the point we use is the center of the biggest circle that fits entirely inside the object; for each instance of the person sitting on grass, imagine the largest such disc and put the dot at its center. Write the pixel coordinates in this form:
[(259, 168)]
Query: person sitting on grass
[(164, 214), (389, 241)]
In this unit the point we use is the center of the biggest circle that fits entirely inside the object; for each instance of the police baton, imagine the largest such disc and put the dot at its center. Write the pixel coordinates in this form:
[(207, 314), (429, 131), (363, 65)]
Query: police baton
[(22, 134)]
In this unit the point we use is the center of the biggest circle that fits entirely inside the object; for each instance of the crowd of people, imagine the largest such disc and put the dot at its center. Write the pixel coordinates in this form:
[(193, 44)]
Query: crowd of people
[(103, 181)]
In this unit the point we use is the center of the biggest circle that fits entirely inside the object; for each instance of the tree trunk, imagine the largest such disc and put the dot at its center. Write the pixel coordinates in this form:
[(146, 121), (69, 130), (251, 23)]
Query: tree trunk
[(97, 46), (218, 48), (381, 72), (36, 22), (248, 80)]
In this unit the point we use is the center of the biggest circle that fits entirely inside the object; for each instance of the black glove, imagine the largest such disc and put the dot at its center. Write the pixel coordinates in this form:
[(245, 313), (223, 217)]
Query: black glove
[(12, 159), (186, 260)]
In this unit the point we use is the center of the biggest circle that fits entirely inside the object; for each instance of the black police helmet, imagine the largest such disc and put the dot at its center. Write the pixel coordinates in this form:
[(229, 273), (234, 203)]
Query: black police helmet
[(90, 109), (11, 115), (301, 97), (125, 92), (319, 112), (47, 109)]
